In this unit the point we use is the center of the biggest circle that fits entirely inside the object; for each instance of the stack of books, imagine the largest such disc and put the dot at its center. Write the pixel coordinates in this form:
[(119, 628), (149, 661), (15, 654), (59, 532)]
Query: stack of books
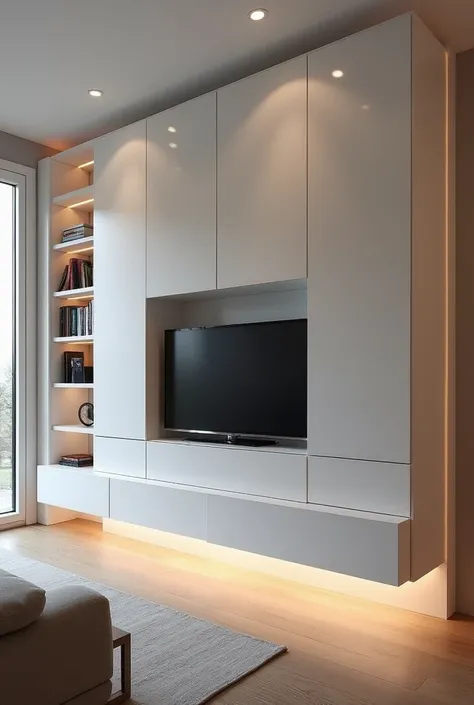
[(77, 460), (76, 320), (76, 275), (76, 232)]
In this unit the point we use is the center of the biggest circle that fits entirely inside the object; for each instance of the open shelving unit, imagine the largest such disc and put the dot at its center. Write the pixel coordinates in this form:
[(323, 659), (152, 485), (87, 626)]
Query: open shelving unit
[(86, 292), (69, 200), (84, 244)]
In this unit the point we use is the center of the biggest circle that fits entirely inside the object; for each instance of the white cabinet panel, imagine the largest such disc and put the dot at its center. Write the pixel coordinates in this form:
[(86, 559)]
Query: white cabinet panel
[(120, 457), (181, 205), (119, 280), (262, 153), (359, 243), (77, 489), (259, 472), (167, 509), (372, 487), (367, 546)]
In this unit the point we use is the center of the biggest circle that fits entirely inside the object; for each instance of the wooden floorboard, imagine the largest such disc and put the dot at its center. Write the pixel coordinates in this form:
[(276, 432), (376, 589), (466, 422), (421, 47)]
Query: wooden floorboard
[(342, 651)]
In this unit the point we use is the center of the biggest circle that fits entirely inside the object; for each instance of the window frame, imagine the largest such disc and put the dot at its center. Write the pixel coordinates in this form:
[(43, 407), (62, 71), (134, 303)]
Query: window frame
[(24, 178)]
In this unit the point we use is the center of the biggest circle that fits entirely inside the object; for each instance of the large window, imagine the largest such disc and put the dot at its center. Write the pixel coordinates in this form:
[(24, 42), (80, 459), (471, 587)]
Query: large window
[(17, 345), (8, 220)]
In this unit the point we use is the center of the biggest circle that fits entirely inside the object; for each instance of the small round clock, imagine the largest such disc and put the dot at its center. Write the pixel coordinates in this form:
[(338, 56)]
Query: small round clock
[(86, 414)]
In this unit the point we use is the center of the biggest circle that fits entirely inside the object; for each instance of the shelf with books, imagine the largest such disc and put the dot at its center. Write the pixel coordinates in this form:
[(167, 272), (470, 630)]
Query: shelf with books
[(70, 385), (86, 292), (75, 428), (83, 244), (86, 339), (82, 199)]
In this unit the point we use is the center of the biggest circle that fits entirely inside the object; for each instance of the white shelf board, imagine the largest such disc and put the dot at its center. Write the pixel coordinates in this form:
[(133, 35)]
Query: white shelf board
[(87, 470), (86, 339), (82, 244), (75, 428), (70, 385), (76, 156), (87, 292), (293, 450), (68, 200)]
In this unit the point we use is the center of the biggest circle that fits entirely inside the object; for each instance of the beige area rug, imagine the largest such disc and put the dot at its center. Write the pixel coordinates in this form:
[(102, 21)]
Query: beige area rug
[(177, 659)]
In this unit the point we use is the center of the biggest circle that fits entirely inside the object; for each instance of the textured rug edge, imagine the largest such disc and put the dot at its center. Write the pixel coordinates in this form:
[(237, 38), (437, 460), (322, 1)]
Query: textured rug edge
[(280, 651)]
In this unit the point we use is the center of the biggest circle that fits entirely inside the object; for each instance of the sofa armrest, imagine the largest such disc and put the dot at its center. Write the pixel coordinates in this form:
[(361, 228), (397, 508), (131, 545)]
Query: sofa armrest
[(66, 652)]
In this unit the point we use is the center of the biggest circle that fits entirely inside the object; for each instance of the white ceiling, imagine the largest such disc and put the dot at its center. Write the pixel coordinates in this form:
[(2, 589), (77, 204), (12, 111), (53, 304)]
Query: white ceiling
[(150, 54)]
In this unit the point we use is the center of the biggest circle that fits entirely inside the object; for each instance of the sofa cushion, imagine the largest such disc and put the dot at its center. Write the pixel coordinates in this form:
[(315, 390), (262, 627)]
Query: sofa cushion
[(21, 603)]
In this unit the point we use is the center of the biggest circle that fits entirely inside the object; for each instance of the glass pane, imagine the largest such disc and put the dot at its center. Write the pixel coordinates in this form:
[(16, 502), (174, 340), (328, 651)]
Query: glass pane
[(7, 305)]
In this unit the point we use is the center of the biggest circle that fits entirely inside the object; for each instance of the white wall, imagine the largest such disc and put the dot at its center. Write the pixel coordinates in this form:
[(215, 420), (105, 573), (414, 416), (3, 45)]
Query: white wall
[(20, 151)]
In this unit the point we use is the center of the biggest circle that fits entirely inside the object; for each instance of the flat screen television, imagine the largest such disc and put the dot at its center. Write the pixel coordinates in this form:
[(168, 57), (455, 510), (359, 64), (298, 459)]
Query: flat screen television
[(244, 380)]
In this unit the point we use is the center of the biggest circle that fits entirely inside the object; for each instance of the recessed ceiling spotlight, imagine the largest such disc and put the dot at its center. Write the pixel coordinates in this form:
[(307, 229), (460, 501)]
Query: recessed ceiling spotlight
[(338, 73), (95, 92), (173, 145), (171, 128), (259, 14)]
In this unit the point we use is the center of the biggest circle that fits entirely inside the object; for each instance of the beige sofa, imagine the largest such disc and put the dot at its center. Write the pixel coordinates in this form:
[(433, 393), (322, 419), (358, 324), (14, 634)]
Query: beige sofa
[(55, 648)]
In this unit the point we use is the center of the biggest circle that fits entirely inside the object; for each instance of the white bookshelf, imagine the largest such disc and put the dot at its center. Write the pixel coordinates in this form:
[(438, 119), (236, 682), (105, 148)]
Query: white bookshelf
[(86, 292), (67, 197), (83, 244), (78, 339), (81, 199), (70, 385), (75, 428)]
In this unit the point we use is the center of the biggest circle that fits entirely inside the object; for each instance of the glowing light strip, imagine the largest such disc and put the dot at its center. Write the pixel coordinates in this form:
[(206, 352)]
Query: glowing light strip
[(83, 166), (82, 203)]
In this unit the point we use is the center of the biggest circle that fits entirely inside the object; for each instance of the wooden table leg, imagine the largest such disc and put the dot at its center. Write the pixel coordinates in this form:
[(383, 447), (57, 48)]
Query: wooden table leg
[(123, 640)]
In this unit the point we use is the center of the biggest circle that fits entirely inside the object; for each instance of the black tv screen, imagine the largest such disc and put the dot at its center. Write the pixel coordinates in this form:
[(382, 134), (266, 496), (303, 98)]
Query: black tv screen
[(248, 379)]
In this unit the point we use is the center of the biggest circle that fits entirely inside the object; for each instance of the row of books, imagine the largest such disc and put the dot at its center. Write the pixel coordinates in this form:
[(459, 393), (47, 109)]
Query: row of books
[(76, 320), (76, 232), (77, 274)]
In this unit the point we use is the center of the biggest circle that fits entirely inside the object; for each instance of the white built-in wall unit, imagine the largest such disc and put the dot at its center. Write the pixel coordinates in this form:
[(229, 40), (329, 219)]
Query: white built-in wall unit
[(294, 193)]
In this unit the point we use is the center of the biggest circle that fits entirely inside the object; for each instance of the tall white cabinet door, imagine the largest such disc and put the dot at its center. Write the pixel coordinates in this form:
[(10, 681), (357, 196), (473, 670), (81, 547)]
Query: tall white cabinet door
[(181, 184), (119, 281), (261, 193), (359, 241)]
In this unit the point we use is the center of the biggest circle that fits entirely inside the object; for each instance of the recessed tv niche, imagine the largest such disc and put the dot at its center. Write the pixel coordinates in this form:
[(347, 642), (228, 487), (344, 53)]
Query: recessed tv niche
[(240, 380)]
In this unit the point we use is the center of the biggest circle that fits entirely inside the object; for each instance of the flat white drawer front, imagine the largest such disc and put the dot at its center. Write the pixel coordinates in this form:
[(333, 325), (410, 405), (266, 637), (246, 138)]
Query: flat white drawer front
[(357, 484), (371, 547), (167, 509), (268, 474), (118, 456), (77, 489)]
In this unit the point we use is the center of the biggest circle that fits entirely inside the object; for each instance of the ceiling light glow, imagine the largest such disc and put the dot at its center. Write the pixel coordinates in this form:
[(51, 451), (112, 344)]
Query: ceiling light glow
[(173, 145), (338, 73), (95, 92), (258, 14), (171, 128)]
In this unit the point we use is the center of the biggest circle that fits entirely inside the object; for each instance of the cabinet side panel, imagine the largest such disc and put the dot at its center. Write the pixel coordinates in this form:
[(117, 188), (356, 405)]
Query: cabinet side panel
[(428, 301), (119, 280)]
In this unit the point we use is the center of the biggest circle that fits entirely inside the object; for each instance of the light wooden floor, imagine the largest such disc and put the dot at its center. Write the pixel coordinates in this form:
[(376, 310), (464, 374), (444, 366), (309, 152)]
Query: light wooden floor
[(341, 651)]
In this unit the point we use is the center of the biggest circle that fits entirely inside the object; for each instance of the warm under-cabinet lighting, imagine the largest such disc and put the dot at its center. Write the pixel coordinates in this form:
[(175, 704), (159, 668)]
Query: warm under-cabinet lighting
[(258, 14), (82, 203), (173, 145), (83, 166), (171, 128), (338, 73), (83, 249)]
